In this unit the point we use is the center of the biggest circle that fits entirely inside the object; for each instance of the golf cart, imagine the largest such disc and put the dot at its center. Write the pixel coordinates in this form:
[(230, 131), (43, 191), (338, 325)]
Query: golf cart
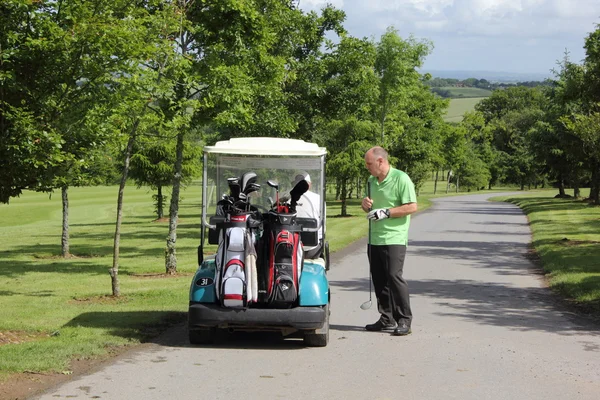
[(269, 270)]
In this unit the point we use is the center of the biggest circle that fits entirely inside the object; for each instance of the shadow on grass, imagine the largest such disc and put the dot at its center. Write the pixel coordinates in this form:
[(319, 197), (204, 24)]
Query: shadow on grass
[(87, 259), (137, 325), (153, 327)]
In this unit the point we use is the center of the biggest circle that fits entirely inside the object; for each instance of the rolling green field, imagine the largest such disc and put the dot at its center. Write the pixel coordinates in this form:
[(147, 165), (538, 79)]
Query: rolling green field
[(465, 92), (458, 107)]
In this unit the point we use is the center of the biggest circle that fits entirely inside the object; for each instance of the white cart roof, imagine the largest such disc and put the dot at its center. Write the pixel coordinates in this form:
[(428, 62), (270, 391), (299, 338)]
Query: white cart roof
[(266, 146)]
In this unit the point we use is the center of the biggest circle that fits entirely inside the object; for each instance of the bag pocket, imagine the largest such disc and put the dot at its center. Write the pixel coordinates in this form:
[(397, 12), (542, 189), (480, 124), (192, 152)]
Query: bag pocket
[(285, 292), (234, 284), (233, 292)]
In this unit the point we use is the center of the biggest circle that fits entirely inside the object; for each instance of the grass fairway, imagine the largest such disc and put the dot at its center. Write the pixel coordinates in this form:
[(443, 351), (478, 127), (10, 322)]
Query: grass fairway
[(566, 237), (458, 107)]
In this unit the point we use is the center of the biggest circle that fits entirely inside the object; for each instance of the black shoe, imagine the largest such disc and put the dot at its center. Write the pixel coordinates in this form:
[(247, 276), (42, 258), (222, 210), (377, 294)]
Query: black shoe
[(380, 326), (402, 330)]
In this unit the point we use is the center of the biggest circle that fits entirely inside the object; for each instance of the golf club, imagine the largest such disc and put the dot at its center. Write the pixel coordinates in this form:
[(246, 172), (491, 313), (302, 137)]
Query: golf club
[(234, 187), (275, 186), (367, 304), (250, 188)]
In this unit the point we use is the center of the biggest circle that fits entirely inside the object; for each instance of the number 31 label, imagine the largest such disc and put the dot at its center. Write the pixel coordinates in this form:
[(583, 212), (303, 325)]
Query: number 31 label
[(204, 281)]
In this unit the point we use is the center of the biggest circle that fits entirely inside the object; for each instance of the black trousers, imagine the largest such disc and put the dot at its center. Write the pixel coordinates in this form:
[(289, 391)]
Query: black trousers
[(387, 264)]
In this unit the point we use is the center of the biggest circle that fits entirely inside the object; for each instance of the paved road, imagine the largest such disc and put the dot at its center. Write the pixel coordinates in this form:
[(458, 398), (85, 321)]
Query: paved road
[(484, 328)]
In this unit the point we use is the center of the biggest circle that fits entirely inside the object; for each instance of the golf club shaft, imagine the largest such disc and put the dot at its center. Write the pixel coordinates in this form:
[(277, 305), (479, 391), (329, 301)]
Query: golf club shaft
[(369, 244)]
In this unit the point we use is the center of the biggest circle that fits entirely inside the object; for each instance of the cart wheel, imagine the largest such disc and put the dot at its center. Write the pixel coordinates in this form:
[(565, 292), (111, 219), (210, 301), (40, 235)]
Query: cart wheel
[(319, 337), (202, 336)]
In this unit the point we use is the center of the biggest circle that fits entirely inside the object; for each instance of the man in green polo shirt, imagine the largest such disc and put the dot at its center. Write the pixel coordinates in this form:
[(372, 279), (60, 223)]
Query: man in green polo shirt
[(392, 199)]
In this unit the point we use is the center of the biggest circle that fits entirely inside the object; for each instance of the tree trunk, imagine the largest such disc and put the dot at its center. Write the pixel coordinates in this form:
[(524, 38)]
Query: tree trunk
[(561, 187), (595, 187), (343, 198), (171, 251), (576, 190), (337, 189), (65, 221), (448, 181), (457, 177), (114, 271), (159, 206), (435, 182)]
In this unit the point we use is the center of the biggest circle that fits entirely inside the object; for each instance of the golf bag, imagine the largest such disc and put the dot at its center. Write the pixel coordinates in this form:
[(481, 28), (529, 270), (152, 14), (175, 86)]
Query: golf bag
[(285, 257), (236, 277)]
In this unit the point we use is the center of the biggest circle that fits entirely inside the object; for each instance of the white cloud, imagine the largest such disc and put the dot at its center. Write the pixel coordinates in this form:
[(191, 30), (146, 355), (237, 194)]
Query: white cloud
[(479, 31), (318, 4), (482, 17)]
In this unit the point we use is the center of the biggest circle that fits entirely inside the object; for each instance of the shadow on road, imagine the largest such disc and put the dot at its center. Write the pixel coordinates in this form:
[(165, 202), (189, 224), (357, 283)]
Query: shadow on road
[(523, 309)]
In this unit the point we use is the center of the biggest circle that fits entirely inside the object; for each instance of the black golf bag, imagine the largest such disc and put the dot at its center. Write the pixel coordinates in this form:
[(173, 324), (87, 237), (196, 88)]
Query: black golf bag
[(283, 257), (283, 252)]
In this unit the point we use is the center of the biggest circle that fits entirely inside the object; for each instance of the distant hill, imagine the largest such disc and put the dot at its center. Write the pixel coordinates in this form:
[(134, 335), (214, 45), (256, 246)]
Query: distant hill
[(460, 92), (492, 76)]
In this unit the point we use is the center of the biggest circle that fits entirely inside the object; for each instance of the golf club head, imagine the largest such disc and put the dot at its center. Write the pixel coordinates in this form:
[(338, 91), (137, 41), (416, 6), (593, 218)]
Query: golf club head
[(247, 179), (273, 184), (366, 305), (251, 187), (271, 201), (234, 187), (299, 189)]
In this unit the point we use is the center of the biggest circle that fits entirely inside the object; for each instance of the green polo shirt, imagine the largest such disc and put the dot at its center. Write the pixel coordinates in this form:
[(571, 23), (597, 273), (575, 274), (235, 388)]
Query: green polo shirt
[(395, 190)]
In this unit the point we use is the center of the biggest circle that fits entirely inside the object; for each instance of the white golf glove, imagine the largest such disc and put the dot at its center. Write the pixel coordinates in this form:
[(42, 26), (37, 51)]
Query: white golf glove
[(378, 214)]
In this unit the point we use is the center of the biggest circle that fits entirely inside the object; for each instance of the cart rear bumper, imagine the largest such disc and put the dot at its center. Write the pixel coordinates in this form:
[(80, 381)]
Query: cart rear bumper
[(202, 315)]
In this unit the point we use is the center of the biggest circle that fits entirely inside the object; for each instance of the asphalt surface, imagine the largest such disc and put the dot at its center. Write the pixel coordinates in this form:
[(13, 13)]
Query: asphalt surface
[(485, 327)]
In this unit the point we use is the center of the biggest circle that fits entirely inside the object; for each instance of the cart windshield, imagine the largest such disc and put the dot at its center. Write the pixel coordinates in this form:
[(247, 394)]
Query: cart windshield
[(222, 169)]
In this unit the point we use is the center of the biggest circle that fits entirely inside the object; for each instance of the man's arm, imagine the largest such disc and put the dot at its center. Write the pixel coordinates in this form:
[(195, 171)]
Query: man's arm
[(403, 210)]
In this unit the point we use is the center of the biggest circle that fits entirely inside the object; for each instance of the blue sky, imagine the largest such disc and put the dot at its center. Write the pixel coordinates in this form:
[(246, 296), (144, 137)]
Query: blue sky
[(526, 36)]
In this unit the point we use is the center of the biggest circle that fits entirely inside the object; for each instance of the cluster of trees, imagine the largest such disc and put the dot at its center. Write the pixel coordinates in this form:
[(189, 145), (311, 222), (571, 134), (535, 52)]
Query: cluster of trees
[(436, 83), (97, 91), (101, 90), (533, 136)]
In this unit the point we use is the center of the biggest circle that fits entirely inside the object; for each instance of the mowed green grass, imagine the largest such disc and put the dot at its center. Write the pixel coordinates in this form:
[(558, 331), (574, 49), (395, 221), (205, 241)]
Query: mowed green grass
[(63, 303), (458, 108), (566, 237)]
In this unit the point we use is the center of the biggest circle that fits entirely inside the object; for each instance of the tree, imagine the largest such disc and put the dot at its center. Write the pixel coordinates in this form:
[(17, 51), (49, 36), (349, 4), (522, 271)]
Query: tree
[(137, 87), (59, 67), (395, 66), (347, 164), (346, 128), (152, 164), (511, 114), (558, 149), (587, 128)]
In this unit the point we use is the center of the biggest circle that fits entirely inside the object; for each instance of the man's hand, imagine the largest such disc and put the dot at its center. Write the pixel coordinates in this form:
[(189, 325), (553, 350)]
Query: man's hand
[(379, 214), (367, 203)]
